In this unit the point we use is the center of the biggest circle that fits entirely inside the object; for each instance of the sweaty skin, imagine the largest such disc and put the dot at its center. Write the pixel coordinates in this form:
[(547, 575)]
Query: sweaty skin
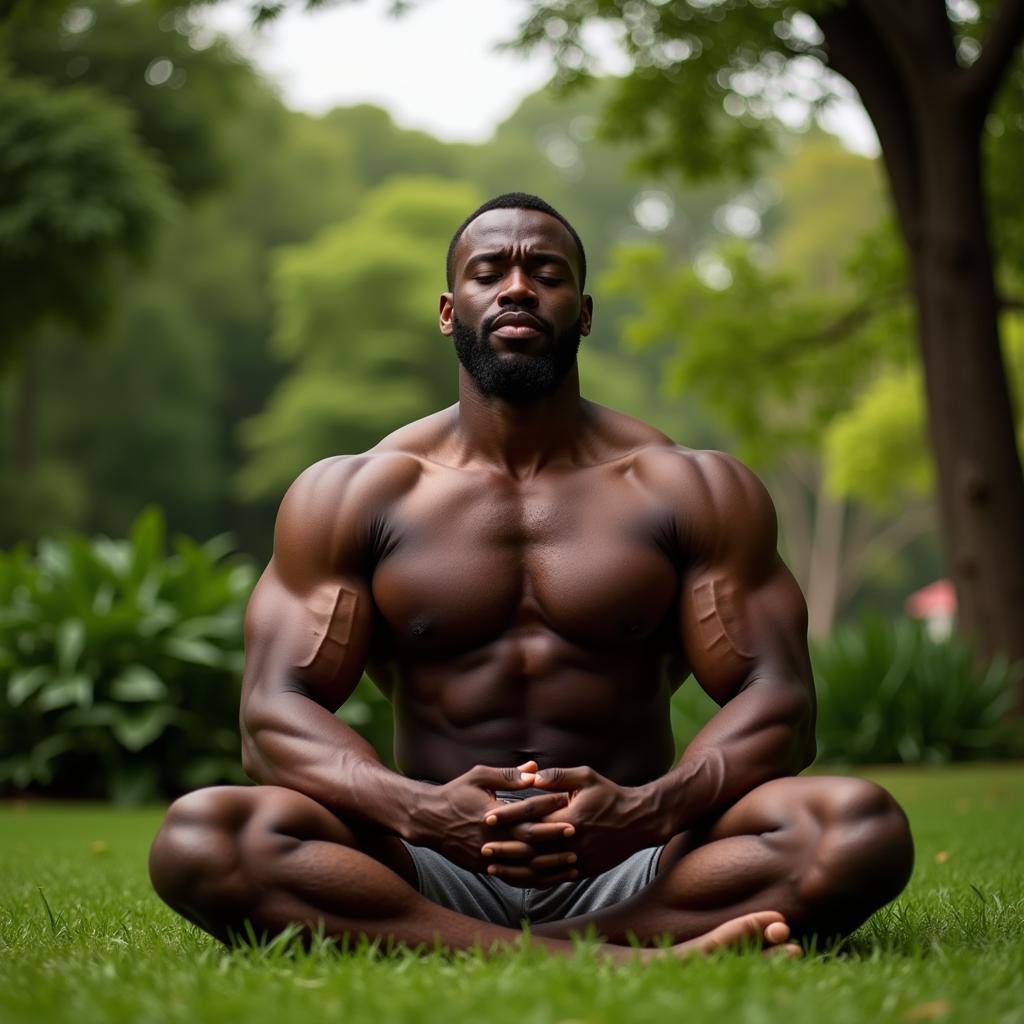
[(529, 582)]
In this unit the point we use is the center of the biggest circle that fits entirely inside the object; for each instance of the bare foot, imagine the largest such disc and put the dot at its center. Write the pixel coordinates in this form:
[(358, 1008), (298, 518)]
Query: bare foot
[(766, 929)]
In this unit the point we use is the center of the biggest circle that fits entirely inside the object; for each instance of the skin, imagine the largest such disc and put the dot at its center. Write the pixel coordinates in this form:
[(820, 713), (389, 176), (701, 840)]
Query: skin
[(529, 583)]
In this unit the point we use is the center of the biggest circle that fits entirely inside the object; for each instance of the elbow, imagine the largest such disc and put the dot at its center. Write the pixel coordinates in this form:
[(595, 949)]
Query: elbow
[(805, 746), (254, 763), (251, 761)]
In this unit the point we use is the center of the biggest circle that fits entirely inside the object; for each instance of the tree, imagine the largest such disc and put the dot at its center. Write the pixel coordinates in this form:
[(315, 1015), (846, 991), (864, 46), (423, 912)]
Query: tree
[(81, 198), (356, 316), (707, 75)]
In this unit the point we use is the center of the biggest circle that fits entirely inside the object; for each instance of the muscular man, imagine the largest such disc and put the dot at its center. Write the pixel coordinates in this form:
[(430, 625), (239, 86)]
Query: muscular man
[(528, 576)]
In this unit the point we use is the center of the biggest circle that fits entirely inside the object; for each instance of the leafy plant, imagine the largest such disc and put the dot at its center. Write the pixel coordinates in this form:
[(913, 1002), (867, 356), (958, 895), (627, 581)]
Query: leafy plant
[(888, 693), (120, 664)]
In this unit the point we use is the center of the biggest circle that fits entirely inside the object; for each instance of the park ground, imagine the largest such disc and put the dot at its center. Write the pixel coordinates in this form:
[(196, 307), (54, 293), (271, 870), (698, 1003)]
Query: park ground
[(83, 939)]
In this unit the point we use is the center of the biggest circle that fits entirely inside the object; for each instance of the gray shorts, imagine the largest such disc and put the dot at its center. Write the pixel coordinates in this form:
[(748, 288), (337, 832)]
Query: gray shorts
[(492, 900)]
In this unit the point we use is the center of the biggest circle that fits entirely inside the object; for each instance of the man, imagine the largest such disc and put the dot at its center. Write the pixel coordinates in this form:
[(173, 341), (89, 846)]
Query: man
[(528, 576)]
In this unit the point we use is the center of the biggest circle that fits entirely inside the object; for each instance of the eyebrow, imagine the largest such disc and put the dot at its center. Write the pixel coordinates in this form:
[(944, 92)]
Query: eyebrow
[(502, 254)]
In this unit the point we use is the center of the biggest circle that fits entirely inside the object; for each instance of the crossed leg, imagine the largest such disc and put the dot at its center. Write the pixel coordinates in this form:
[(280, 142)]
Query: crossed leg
[(826, 852), (271, 856)]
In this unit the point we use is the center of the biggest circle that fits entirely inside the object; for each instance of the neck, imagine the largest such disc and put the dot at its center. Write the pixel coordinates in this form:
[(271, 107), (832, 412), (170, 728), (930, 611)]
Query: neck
[(520, 439)]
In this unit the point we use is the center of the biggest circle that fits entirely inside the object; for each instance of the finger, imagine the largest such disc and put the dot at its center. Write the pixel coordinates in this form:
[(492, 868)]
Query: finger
[(524, 875), (542, 831), (499, 778), (531, 809), (508, 851), (565, 778), (776, 933), (547, 861)]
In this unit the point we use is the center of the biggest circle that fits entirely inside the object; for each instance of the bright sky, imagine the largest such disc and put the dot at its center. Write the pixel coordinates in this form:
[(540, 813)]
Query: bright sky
[(434, 68)]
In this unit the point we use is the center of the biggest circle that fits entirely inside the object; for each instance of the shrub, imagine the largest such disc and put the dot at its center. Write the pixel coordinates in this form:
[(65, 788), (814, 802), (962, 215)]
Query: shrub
[(888, 693), (121, 664)]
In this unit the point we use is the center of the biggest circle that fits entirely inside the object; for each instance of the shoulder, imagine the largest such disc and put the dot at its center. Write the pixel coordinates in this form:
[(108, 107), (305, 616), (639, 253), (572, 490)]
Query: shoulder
[(720, 506), (335, 507), (330, 514)]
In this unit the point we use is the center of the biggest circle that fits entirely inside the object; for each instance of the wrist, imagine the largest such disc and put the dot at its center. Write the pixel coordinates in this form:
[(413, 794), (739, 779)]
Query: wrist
[(662, 802), (413, 804)]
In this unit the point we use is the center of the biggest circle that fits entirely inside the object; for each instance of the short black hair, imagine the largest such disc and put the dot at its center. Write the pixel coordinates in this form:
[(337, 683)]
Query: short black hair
[(516, 201)]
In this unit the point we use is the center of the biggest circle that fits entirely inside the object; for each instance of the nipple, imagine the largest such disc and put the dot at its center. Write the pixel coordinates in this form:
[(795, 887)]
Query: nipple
[(420, 626)]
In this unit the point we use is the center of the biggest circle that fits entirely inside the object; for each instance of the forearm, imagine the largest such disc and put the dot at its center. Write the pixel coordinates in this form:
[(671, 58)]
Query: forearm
[(763, 733), (300, 745)]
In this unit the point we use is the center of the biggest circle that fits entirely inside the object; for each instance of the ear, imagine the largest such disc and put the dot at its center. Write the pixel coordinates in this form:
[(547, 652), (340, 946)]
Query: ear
[(447, 309), (586, 315)]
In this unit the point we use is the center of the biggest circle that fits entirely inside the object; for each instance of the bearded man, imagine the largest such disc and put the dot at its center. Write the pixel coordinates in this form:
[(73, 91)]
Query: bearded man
[(528, 577)]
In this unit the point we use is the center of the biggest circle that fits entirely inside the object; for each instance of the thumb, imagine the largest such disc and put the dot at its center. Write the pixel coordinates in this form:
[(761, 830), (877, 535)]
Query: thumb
[(501, 778), (564, 778)]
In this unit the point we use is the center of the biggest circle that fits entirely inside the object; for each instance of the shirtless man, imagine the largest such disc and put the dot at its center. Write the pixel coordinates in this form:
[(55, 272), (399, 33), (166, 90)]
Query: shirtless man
[(528, 577)]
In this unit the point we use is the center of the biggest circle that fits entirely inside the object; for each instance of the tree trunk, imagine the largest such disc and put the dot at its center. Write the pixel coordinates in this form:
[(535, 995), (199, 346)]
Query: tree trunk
[(929, 114), (970, 419)]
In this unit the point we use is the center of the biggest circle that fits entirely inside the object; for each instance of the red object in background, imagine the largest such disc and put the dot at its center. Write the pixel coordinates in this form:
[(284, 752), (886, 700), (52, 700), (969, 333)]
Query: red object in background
[(937, 600)]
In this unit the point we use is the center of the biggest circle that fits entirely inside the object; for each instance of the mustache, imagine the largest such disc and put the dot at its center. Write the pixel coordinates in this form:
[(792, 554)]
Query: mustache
[(488, 325)]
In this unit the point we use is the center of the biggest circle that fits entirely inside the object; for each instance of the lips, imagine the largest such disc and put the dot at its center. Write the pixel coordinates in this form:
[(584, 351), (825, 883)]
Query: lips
[(518, 326), (516, 320)]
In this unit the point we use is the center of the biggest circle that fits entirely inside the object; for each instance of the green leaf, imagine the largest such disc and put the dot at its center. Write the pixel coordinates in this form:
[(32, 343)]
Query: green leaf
[(25, 682), (64, 692), (138, 683), (137, 729), (194, 651), (147, 540), (70, 644), (113, 555)]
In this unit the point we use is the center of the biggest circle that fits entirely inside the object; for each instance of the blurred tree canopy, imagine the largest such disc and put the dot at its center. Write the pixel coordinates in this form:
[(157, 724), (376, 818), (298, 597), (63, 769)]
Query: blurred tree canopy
[(357, 316)]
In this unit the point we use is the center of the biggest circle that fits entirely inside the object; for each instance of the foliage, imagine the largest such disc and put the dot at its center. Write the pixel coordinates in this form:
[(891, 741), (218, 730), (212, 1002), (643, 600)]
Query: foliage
[(876, 450), (144, 59), (121, 664), (887, 693), (768, 378), (81, 196), (357, 310)]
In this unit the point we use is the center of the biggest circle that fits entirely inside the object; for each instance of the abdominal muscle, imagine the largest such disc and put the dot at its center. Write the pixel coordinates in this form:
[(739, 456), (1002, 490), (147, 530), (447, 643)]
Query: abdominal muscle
[(608, 710)]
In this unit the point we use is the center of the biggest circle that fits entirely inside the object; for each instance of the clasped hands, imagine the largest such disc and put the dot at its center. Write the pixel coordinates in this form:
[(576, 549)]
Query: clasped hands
[(586, 823)]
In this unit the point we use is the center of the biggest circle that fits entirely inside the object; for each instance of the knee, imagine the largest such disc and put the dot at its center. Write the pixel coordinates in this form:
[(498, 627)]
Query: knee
[(197, 854), (864, 850)]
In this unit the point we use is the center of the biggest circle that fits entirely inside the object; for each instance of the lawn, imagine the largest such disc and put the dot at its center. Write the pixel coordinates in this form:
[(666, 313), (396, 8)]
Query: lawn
[(83, 939)]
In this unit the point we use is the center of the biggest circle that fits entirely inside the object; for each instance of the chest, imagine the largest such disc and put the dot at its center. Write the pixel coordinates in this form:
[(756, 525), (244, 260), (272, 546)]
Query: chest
[(470, 560)]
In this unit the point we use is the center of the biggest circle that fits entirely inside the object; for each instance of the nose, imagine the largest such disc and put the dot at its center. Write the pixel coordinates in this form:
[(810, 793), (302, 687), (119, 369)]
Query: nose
[(517, 289)]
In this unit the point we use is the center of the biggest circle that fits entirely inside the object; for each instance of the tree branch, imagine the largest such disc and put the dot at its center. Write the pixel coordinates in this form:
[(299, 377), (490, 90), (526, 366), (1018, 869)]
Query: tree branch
[(888, 542), (843, 325), (983, 78)]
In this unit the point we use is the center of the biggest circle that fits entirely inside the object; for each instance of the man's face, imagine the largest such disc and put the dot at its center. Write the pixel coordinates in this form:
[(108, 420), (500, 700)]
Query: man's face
[(516, 314)]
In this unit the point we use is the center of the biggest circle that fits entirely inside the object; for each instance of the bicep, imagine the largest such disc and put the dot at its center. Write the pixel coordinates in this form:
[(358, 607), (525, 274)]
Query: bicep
[(736, 628), (742, 614), (308, 636)]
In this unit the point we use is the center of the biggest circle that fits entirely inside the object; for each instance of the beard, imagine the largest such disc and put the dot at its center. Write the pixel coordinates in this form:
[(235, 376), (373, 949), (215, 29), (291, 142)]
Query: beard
[(516, 378)]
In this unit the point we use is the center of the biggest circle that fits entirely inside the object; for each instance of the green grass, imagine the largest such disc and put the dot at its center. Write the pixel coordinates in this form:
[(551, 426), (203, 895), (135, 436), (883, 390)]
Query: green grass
[(83, 939)]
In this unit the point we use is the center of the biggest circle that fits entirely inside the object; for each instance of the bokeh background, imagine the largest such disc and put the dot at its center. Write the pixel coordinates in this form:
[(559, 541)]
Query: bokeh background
[(205, 288)]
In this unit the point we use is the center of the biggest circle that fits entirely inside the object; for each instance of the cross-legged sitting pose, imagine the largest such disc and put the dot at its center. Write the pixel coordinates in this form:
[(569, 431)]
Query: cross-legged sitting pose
[(528, 577)]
